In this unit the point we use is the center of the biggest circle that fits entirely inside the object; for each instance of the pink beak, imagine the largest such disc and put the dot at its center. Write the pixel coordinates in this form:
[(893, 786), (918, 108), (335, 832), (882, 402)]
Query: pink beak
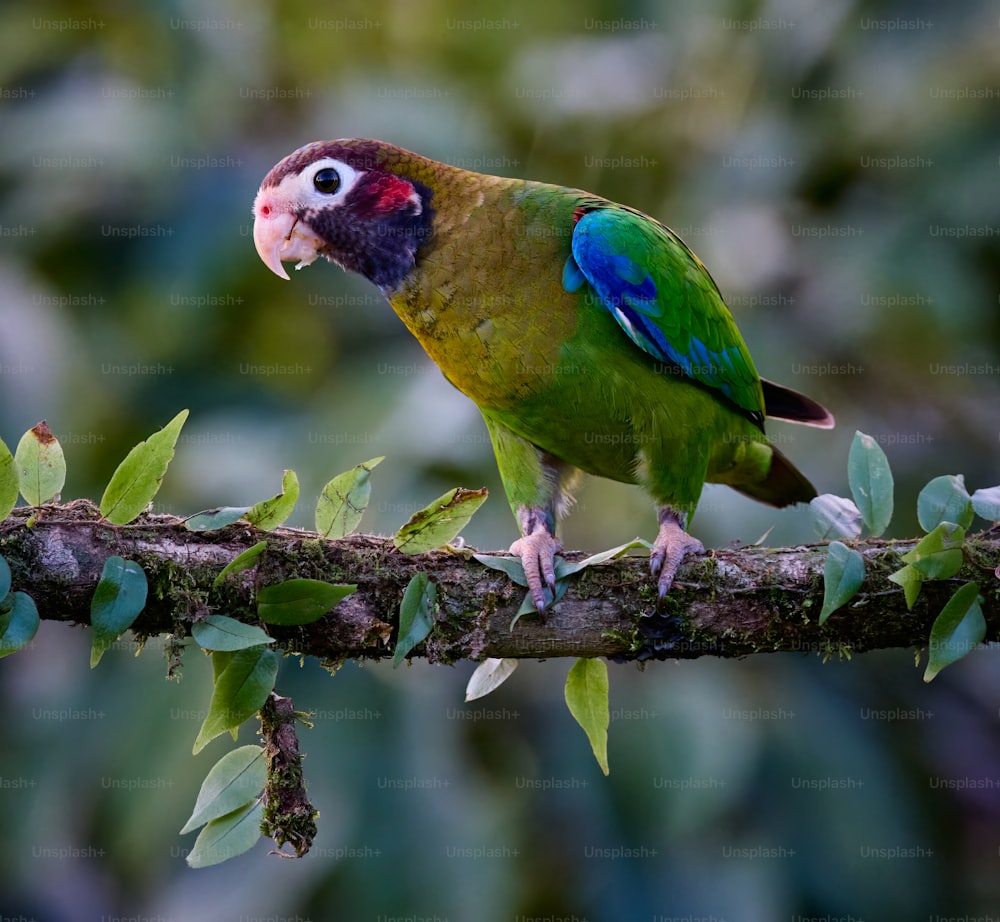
[(278, 235)]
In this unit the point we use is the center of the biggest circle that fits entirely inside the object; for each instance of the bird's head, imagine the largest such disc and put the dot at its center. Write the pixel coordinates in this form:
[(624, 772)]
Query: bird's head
[(350, 201)]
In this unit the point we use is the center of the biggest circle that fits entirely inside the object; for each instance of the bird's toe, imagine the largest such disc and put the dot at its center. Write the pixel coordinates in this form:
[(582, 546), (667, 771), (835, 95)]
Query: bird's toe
[(537, 552)]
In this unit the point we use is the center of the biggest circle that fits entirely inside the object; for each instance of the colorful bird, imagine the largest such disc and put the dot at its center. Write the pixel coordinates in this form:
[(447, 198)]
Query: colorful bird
[(588, 334)]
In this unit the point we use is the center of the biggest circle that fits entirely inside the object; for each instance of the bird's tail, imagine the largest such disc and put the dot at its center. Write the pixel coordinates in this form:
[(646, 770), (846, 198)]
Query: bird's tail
[(783, 403), (784, 484)]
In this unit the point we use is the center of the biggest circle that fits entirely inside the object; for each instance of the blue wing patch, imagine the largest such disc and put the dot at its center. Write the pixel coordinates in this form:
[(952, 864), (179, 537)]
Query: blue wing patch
[(652, 318)]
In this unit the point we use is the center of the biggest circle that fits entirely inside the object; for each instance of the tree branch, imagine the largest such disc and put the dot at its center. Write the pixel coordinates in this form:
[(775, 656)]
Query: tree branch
[(731, 603)]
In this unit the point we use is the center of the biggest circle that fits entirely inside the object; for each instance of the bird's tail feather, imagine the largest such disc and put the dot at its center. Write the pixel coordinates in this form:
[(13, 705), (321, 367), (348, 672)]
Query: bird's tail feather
[(784, 484), (783, 403)]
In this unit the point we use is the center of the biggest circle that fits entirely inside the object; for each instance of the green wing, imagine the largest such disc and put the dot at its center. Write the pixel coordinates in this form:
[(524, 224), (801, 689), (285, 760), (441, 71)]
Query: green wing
[(664, 299)]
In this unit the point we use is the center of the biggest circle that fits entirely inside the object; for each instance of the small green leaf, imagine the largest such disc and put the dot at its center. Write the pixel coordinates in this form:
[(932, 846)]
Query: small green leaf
[(440, 522), (957, 631), (834, 517), (270, 513), (227, 837), (19, 624), (911, 579), (233, 782), (41, 465), (137, 479), (566, 568), (870, 479), (117, 601), (587, 699), (527, 607), (528, 604), (344, 500), (944, 499), (299, 601), (760, 542), (220, 660), (938, 555), (244, 561), (213, 519), (217, 632), (416, 615), (490, 674), (843, 574), (515, 572), (986, 503), (240, 691), (5, 578), (509, 565), (9, 482)]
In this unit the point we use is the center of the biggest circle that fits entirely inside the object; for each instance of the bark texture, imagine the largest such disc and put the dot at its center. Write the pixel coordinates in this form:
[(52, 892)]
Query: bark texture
[(733, 602)]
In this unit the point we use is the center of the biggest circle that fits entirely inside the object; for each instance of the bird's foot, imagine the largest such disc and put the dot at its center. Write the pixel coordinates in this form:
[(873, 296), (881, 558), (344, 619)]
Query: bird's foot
[(537, 551), (671, 546)]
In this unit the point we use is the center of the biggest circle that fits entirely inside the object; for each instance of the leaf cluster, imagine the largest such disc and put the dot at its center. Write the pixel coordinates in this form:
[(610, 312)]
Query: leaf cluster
[(945, 510), (231, 809)]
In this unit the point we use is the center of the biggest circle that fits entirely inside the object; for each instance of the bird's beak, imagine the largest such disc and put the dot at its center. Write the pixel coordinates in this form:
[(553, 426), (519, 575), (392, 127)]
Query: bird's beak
[(279, 235)]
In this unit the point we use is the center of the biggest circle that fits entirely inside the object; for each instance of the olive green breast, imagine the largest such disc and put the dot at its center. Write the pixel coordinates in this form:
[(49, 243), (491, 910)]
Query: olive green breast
[(486, 301)]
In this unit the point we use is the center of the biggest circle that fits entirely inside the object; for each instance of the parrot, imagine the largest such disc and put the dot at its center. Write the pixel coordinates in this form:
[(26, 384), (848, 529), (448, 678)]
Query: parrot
[(591, 338)]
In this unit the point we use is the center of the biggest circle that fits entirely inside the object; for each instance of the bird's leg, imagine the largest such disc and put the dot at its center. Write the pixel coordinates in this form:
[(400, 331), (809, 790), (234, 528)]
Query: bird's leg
[(537, 549), (536, 486), (671, 546)]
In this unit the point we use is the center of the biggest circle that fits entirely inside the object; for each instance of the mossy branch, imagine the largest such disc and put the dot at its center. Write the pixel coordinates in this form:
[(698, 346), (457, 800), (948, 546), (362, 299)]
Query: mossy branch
[(733, 602)]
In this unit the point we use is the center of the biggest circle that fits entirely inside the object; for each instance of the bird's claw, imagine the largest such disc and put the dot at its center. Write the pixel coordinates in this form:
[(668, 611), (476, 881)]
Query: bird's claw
[(537, 552), (672, 545)]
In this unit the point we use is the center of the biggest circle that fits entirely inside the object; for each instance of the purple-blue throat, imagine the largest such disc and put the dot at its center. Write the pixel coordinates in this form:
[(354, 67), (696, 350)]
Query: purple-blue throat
[(378, 229)]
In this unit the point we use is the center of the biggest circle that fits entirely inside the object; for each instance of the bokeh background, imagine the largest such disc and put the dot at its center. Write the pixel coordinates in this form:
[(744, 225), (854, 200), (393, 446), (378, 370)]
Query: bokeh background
[(835, 164)]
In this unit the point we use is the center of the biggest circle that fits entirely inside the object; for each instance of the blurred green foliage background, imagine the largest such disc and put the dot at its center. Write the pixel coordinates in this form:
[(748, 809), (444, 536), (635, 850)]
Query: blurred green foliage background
[(835, 165)]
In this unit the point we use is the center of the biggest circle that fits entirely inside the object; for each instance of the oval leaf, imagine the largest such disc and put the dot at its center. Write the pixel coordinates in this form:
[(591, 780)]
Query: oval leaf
[(490, 674), (240, 691), (227, 837), (986, 503), (117, 601), (236, 780), (19, 624), (416, 615), (344, 500), (509, 565), (870, 479), (270, 513), (566, 568), (587, 699), (911, 579), (137, 479), (938, 555), (212, 519), (244, 561), (834, 517), (958, 630), (220, 660), (528, 605), (217, 632), (9, 483), (440, 522), (5, 579), (41, 465), (299, 601), (944, 499), (843, 574)]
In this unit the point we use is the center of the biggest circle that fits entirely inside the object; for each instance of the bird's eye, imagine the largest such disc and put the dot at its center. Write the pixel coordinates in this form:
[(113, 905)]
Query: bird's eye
[(327, 181)]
